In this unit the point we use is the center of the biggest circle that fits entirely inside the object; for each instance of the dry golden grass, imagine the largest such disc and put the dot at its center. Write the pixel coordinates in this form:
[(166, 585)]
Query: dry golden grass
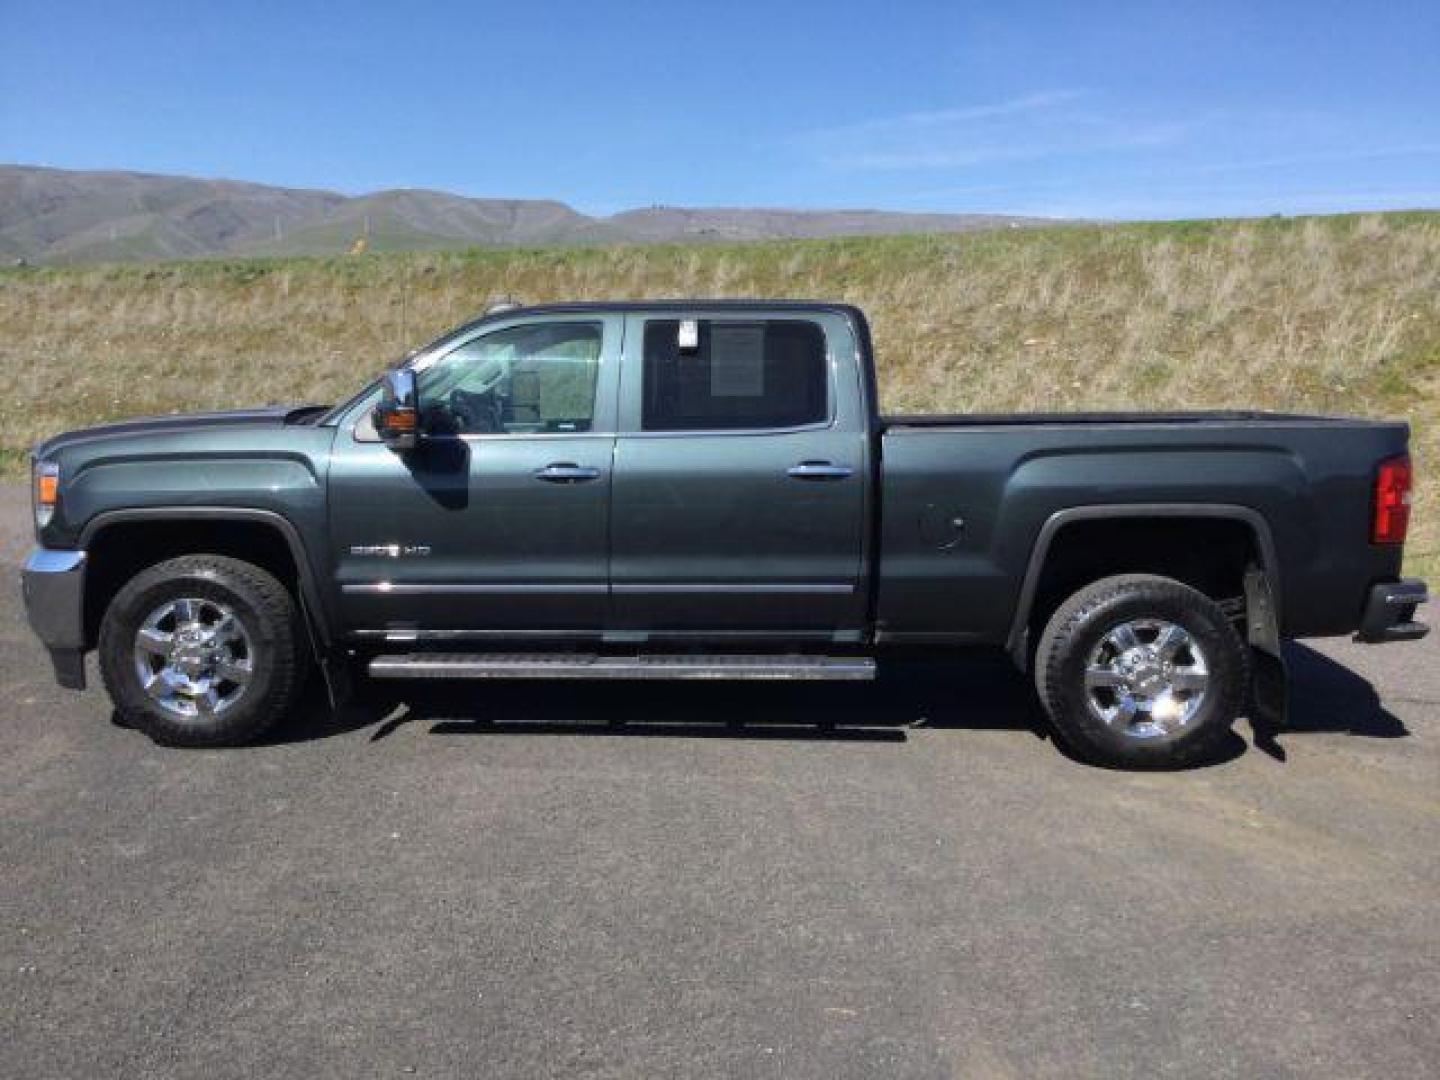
[(1325, 314)]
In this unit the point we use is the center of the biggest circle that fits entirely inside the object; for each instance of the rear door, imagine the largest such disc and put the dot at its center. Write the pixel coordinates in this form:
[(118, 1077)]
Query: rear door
[(739, 496)]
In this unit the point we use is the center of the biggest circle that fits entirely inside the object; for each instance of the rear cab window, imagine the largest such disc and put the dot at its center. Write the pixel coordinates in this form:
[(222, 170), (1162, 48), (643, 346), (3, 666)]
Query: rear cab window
[(734, 375)]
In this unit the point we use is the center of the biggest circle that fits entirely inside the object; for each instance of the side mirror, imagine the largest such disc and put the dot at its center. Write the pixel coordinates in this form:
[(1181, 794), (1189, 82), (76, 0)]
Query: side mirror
[(397, 417)]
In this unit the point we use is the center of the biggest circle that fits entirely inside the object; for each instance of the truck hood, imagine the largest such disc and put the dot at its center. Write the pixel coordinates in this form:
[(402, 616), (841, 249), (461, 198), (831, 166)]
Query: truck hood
[(184, 423)]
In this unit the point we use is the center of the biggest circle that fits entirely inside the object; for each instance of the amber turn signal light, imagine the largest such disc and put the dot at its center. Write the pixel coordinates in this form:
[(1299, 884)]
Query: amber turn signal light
[(45, 491)]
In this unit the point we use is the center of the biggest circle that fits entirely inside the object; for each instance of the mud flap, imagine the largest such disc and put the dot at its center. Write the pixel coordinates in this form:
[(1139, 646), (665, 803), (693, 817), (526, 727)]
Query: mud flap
[(339, 686), (1269, 680), (334, 670)]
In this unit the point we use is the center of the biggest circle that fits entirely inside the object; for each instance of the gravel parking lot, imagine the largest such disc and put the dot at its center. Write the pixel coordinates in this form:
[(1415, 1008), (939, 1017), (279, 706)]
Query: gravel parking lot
[(900, 880)]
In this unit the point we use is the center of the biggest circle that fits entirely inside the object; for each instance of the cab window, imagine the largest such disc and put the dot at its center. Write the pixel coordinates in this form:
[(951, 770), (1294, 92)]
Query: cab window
[(533, 379), (717, 375)]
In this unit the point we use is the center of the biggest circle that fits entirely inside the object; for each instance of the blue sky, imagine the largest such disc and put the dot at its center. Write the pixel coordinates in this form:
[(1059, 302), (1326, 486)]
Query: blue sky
[(1092, 109)]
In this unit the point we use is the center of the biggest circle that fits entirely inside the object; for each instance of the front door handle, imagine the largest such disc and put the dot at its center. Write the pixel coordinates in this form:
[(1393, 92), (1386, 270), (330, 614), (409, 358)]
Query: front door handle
[(819, 470), (566, 472)]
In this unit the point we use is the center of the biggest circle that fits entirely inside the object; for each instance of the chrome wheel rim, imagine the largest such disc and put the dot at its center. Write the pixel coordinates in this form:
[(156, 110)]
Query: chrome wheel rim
[(1146, 679), (193, 657)]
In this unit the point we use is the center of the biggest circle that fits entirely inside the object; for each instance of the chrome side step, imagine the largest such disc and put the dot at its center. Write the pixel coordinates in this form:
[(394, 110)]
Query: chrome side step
[(592, 666)]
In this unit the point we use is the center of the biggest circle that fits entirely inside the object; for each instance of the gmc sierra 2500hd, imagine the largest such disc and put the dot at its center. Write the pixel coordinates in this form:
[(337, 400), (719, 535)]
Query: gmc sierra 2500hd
[(705, 489)]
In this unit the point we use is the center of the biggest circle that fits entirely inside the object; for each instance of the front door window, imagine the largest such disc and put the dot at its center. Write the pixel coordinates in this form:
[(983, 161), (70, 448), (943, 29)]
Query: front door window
[(528, 380)]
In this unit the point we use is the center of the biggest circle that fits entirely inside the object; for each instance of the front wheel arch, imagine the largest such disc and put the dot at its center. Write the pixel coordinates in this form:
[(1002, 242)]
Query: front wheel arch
[(123, 543)]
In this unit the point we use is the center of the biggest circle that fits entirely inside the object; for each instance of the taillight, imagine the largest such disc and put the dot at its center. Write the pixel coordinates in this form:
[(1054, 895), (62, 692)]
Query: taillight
[(1392, 501)]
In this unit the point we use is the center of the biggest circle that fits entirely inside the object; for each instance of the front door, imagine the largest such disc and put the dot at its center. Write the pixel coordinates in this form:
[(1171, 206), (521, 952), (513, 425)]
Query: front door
[(739, 502), (496, 525)]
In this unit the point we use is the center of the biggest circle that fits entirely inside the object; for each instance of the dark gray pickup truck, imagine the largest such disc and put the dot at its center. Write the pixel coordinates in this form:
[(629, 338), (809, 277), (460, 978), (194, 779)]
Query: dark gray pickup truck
[(705, 490)]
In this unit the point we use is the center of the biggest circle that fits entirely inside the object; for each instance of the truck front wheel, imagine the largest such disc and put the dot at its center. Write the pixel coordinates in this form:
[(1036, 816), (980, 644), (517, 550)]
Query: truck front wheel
[(1141, 671), (202, 650)]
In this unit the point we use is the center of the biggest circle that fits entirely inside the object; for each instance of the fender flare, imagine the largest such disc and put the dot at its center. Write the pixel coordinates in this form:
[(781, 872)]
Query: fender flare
[(1262, 629), (312, 603)]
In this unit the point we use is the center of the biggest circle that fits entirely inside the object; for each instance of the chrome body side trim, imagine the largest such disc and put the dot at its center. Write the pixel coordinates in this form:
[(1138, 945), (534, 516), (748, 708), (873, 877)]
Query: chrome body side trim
[(400, 634), (497, 588), (501, 588), (616, 637), (737, 589)]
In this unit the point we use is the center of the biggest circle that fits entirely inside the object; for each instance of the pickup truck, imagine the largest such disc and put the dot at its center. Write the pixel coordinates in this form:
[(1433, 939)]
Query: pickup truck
[(706, 490)]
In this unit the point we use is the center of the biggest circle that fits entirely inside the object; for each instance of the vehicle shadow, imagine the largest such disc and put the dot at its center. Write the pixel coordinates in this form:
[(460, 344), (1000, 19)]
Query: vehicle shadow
[(1326, 697), (969, 694), (979, 692)]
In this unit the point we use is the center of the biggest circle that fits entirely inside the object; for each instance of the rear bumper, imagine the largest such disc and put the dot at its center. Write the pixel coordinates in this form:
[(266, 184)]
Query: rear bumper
[(53, 583), (1390, 612)]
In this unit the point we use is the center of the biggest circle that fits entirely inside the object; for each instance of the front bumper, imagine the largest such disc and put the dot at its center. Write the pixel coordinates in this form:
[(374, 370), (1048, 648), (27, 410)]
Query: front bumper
[(53, 583), (1390, 612)]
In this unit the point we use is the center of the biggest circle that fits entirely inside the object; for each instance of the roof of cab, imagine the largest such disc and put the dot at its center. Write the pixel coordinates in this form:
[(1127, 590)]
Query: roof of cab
[(676, 306)]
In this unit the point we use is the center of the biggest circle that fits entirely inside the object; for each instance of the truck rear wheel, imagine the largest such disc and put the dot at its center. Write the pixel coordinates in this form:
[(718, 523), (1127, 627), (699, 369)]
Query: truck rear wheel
[(1141, 671), (202, 650)]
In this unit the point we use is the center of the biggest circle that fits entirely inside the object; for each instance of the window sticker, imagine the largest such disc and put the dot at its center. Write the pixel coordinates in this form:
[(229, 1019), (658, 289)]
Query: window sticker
[(737, 361)]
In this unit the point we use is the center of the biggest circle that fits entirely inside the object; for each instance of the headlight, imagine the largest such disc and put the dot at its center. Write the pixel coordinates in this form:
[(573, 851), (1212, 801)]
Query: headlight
[(45, 491)]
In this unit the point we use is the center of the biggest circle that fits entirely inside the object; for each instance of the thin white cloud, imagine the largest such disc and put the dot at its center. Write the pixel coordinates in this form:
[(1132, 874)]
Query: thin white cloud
[(1324, 158), (1040, 125), (1181, 201), (934, 118), (941, 156), (1181, 179)]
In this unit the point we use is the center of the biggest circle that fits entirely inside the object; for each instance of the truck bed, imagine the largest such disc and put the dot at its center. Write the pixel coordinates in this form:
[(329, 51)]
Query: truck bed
[(964, 500), (902, 421)]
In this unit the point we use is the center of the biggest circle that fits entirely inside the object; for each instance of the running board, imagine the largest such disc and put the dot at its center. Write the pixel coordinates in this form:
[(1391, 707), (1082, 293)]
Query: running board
[(591, 666)]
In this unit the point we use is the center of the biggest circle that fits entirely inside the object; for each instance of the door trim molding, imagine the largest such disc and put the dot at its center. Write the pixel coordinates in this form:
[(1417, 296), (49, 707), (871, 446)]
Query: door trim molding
[(498, 588), (783, 588), (503, 588)]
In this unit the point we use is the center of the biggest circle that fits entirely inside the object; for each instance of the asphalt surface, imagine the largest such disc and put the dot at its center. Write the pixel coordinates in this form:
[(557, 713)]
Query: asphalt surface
[(693, 881)]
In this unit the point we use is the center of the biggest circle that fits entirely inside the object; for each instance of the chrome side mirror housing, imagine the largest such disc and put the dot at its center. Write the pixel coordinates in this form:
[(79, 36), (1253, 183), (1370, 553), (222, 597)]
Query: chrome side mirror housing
[(397, 416)]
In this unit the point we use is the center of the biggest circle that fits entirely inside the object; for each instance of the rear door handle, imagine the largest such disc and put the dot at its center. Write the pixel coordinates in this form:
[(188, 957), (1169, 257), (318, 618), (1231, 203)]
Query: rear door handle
[(566, 472), (819, 470)]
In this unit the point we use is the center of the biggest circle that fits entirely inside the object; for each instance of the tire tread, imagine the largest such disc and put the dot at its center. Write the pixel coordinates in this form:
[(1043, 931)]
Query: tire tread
[(1075, 617), (274, 605)]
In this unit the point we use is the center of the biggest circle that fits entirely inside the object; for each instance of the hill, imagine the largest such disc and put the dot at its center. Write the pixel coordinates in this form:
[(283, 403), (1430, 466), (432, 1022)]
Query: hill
[(59, 216), (1337, 314)]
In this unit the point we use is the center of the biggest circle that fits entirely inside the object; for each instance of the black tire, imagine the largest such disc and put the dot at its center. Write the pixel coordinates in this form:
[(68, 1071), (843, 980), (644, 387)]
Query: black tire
[(1078, 628), (274, 647)]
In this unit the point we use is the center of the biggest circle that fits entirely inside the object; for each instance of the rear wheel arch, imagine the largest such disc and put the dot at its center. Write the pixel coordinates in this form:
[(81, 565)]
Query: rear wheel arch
[(1222, 550)]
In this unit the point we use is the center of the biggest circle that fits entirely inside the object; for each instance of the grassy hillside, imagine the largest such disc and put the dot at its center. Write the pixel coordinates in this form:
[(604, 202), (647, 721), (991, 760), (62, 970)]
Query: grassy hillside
[(1334, 314)]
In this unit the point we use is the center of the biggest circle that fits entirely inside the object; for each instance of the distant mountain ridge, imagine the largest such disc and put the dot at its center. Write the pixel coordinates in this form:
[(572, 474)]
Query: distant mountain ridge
[(57, 215)]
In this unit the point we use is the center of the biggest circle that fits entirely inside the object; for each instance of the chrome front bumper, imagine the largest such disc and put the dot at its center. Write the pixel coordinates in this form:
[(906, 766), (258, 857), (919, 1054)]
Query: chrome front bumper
[(1390, 612), (53, 583)]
